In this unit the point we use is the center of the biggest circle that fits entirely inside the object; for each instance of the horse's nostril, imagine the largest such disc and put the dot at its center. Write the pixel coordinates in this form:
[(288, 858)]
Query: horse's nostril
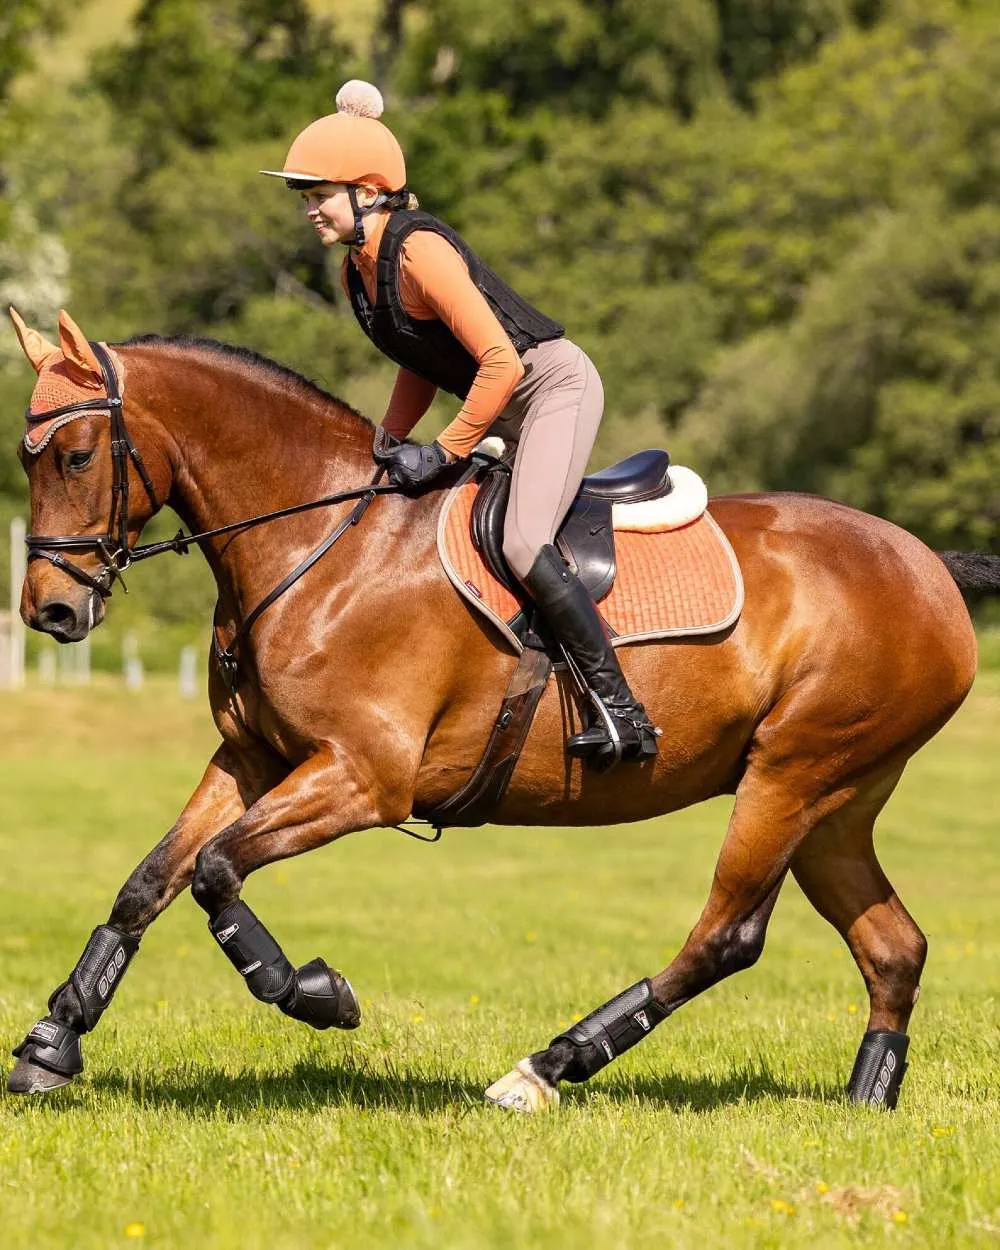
[(57, 617)]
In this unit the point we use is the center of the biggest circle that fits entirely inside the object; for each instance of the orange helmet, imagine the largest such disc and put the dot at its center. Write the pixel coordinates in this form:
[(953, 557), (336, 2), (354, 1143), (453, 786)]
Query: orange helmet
[(349, 146)]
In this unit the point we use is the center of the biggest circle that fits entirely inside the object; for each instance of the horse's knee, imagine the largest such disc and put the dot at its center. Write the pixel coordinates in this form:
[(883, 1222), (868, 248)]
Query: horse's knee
[(215, 883), (737, 948)]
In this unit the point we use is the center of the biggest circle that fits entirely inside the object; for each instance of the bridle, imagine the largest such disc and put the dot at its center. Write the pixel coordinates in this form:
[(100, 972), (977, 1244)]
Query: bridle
[(114, 547)]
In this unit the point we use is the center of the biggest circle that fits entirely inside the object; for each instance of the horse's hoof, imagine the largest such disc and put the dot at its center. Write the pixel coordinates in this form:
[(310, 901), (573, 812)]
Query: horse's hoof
[(29, 1078), (523, 1090)]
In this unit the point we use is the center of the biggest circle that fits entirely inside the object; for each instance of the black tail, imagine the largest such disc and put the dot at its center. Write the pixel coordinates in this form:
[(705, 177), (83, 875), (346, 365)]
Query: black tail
[(973, 571)]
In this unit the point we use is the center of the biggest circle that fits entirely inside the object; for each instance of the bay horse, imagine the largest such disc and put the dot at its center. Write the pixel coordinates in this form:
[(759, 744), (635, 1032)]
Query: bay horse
[(368, 690)]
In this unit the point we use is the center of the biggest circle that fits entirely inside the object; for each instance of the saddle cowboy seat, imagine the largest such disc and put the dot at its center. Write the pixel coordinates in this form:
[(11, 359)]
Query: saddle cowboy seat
[(638, 535)]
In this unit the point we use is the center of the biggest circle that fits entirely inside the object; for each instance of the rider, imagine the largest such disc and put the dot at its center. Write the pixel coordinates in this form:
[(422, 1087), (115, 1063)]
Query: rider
[(429, 303)]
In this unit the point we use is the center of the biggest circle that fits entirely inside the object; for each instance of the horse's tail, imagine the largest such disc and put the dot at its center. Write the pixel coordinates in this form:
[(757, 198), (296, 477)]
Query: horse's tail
[(974, 571)]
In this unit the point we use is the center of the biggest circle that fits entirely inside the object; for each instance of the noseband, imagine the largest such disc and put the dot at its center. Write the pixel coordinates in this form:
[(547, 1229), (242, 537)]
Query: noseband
[(113, 547)]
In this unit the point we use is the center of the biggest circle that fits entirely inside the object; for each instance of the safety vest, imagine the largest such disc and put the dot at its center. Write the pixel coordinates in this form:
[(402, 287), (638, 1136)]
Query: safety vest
[(427, 347)]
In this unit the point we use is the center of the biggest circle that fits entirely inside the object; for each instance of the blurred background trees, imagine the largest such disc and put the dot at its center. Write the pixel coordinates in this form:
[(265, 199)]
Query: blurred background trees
[(774, 224)]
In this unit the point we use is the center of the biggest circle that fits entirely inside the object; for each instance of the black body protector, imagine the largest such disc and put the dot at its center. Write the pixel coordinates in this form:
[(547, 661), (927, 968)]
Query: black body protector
[(427, 347)]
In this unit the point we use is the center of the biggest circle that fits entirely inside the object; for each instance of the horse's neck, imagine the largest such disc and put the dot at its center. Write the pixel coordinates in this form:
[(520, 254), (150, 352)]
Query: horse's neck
[(241, 443)]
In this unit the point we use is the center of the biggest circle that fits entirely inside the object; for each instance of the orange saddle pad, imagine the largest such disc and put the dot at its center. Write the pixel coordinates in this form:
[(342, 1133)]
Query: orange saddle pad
[(672, 584)]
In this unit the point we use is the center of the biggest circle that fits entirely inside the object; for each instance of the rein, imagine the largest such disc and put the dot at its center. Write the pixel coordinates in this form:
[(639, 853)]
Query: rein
[(118, 554)]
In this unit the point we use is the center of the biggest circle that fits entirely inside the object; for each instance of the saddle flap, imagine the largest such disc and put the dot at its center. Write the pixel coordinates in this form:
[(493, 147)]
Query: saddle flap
[(586, 537)]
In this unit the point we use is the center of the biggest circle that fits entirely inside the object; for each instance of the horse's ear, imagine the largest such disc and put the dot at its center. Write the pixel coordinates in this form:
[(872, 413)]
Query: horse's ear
[(81, 362), (35, 346)]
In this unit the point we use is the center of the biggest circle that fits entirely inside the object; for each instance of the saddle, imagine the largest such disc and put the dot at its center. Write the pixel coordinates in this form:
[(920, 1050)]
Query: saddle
[(586, 538)]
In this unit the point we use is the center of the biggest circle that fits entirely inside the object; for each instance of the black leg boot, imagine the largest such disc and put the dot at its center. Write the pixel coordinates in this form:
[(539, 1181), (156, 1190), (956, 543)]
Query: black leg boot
[(620, 728)]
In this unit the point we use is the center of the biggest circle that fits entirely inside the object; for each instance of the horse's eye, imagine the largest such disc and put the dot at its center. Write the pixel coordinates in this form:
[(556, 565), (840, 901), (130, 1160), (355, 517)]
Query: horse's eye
[(79, 459)]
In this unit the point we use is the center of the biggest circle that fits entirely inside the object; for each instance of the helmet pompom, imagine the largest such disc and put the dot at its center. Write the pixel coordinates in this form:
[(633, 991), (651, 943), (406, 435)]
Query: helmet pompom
[(360, 99)]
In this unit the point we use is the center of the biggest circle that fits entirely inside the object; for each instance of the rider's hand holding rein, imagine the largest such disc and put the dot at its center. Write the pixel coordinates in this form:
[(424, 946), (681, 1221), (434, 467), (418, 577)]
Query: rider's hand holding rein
[(409, 464)]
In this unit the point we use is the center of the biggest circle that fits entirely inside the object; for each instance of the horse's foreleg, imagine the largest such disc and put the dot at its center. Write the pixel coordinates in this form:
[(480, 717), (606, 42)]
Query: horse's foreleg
[(51, 1054), (768, 822), (321, 800)]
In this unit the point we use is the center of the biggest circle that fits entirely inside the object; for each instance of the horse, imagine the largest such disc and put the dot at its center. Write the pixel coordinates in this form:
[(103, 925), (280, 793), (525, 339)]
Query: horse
[(367, 691)]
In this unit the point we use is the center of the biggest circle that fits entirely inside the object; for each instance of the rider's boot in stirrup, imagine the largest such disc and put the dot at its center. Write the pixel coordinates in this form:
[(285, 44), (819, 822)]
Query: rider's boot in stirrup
[(620, 728)]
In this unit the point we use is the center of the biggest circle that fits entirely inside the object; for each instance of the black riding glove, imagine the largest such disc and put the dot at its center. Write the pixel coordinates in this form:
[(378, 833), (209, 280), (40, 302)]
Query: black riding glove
[(408, 464)]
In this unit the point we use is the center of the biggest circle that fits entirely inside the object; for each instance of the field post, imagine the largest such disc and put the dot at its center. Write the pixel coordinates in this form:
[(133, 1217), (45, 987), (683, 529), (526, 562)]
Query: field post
[(187, 676), (17, 567), (131, 663)]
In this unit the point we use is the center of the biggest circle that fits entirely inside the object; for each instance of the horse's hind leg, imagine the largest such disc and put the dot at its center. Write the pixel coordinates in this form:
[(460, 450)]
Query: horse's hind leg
[(840, 875), (770, 819)]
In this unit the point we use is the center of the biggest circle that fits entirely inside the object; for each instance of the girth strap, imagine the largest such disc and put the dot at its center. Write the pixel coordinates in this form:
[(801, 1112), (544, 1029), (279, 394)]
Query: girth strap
[(475, 803)]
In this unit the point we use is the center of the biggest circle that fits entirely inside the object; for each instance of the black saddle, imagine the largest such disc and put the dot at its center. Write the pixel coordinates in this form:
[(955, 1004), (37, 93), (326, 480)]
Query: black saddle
[(586, 538)]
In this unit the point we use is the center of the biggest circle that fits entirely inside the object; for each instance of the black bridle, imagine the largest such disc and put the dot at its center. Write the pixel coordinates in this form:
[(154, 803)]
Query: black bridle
[(114, 547)]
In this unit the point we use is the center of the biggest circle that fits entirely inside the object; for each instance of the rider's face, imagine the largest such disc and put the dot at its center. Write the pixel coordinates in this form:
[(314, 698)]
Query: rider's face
[(328, 208)]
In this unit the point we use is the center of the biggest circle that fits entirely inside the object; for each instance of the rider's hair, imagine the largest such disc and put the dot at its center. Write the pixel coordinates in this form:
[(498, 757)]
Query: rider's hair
[(403, 198)]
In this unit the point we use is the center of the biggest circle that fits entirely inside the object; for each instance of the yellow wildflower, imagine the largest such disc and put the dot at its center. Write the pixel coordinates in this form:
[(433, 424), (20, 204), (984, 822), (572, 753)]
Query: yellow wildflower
[(135, 1229)]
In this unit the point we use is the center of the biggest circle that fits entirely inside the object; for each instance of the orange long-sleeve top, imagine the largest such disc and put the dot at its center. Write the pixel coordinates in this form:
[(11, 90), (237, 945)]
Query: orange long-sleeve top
[(434, 281)]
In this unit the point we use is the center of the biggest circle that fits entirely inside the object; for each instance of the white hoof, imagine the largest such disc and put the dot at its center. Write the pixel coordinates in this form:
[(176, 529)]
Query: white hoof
[(523, 1090)]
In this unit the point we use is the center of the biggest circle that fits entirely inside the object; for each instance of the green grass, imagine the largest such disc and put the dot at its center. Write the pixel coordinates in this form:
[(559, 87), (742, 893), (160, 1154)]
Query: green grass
[(209, 1120)]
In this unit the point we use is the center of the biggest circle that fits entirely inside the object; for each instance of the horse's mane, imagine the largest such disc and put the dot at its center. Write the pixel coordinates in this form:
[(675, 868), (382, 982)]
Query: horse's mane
[(248, 357)]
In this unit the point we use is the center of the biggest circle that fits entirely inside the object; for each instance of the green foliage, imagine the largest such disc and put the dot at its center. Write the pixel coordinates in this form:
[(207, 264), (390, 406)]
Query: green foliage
[(770, 222), (22, 24), (198, 76)]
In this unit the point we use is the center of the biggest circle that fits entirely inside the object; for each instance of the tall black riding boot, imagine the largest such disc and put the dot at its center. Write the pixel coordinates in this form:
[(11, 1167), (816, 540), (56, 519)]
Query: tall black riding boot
[(620, 728)]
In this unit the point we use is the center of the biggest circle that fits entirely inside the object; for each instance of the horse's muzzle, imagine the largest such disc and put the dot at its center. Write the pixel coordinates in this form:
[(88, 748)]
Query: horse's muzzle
[(65, 621)]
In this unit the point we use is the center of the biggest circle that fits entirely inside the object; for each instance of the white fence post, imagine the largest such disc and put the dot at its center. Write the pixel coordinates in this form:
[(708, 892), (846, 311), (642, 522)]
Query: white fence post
[(131, 663), (187, 677)]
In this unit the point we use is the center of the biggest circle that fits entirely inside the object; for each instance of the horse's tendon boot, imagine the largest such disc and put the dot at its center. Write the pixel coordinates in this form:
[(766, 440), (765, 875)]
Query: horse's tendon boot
[(253, 952), (315, 994), (879, 1069), (611, 1030), (323, 998)]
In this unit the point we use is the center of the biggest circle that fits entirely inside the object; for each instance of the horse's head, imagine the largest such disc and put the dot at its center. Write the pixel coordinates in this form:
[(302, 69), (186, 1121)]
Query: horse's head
[(79, 460)]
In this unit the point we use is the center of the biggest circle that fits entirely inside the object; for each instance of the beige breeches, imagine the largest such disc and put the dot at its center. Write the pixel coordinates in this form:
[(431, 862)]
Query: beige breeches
[(553, 417)]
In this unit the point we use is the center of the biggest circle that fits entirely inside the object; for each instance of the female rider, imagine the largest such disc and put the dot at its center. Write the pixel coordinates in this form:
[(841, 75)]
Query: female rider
[(428, 302)]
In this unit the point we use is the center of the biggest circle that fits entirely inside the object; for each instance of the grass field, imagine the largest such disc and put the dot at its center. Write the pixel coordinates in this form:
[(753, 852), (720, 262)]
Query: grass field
[(205, 1119)]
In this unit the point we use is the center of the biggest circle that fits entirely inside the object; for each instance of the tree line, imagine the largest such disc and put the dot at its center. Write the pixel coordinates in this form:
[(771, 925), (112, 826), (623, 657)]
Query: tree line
[(773, 224)]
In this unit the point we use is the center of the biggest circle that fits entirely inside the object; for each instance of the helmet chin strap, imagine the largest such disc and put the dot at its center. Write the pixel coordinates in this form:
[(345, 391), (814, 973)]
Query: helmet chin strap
[(395, 199)]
